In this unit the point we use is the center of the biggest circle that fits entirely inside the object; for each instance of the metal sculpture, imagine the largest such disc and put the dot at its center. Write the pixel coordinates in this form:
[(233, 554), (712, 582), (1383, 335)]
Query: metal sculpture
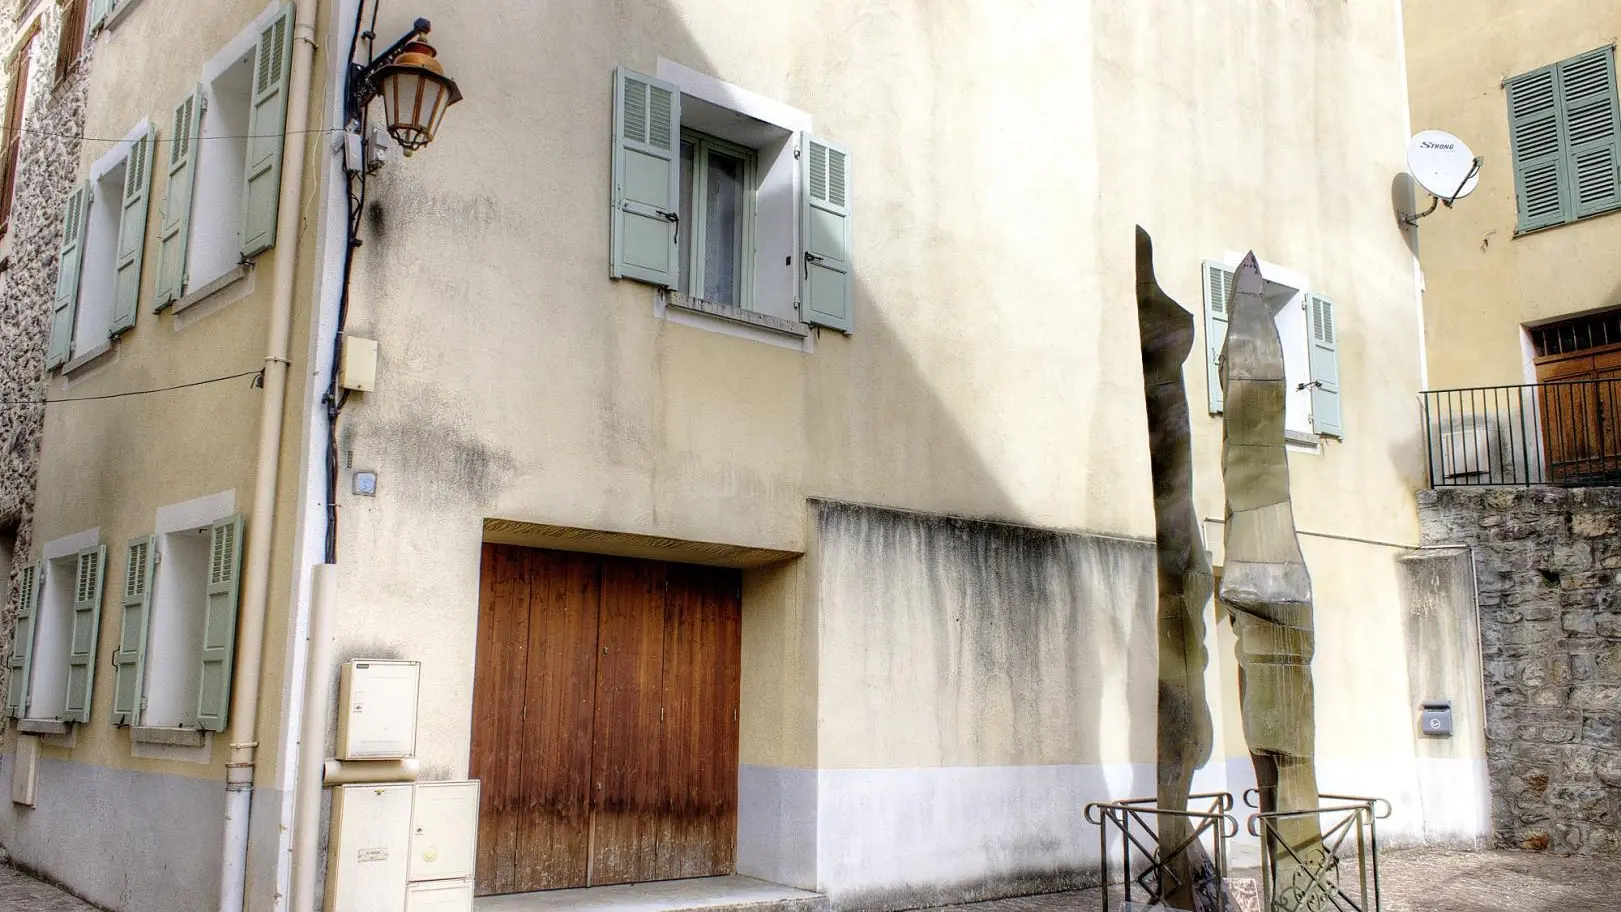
[(1267, 591), (1190, 881)]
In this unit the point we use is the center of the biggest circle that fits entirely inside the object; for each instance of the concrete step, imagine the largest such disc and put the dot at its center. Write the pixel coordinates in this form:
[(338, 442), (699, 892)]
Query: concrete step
[(703, 894)]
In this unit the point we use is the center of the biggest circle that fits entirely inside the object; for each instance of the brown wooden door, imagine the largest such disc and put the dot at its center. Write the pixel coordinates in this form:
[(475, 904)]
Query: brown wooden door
[(1579, 402), (604, 720)]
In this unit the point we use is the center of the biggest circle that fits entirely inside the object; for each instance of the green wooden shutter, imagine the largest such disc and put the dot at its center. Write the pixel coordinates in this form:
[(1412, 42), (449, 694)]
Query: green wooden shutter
[(1326, 417), (65, 307), (646, 178), (130, 659), (174, 225), (1539, 172), (1588, 107), (22, 644), (267, 123), (132, 233), (98, 13), (219, 624), (85, 630), (1218, 295), (827, 276)]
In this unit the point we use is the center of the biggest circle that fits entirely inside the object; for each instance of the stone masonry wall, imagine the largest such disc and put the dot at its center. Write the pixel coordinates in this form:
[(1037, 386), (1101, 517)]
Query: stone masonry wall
[(1548, 567), (47, 168)]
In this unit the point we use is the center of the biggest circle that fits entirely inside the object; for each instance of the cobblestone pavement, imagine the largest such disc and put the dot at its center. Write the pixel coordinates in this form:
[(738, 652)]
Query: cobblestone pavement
[(1434, 881), (1414, 881), (21, 893)]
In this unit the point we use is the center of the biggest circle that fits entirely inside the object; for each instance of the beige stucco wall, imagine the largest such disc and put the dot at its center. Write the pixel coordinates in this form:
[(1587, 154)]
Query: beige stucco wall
[(993, 371), (110, 465), (1483, 283)]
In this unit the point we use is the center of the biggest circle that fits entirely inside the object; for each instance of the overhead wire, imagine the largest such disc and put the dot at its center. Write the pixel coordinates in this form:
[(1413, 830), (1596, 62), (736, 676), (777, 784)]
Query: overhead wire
[(126, 393), (4, 131)]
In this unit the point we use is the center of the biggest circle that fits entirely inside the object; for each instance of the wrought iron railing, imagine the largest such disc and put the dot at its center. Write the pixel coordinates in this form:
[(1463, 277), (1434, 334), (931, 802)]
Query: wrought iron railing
[(1149, 866), (1340, 876), (1565, 433)]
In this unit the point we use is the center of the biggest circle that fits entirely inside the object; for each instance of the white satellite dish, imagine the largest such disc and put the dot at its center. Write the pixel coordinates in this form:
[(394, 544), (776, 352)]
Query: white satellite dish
[(1443, 165)]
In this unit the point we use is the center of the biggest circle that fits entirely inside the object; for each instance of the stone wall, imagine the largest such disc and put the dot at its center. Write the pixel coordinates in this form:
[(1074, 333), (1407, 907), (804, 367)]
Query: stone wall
[(47, 168), (1548, 568)]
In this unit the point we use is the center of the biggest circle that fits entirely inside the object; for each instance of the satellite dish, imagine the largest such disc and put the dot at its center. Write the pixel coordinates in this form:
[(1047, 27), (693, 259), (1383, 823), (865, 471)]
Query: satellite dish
[(1443, 165)]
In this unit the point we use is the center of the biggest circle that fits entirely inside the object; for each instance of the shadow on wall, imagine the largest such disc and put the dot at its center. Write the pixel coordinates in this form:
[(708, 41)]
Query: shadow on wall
[(1004, 655)]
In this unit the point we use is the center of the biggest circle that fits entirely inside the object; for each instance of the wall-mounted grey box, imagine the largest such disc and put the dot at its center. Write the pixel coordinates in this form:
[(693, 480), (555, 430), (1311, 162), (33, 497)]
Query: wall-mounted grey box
[(1435, 718)]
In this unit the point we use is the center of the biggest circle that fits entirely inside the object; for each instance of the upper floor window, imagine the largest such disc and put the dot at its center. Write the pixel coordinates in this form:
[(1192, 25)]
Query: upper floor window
[(741, 213), (1565, 132), (224, 162), (1310, 340), (16, 101), (98, 284), (70, 41)]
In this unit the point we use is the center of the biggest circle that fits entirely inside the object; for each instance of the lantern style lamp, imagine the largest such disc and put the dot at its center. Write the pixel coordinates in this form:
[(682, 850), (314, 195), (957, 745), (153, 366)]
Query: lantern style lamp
[(416, 92)]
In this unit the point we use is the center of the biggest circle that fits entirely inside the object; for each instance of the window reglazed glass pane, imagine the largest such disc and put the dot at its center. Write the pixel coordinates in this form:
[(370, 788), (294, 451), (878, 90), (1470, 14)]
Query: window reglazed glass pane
[(683, 229), (723, 228)]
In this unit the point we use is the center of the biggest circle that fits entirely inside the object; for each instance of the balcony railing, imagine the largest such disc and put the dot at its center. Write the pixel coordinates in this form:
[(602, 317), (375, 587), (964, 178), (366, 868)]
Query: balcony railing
[(1562, 433)]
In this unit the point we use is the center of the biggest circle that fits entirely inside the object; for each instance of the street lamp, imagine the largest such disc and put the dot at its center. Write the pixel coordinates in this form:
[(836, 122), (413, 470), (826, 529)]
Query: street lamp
[(415, 90)]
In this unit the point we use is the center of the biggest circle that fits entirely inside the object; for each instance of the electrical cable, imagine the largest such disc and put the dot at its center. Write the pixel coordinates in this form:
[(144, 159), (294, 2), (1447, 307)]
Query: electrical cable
[(335, 397), (158, 139), (145, 392)]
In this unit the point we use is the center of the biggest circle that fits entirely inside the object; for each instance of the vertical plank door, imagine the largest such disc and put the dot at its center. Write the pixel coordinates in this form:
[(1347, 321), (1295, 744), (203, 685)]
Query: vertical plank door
[(627, 788), (559, 699), (498, 686), (702, 643)]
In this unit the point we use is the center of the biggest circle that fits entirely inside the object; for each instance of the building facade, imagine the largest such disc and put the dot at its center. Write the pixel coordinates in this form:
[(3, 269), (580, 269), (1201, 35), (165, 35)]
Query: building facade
[(1522, 305), (756, 460)]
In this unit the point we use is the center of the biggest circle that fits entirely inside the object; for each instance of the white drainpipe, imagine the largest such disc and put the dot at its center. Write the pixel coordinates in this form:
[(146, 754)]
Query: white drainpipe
[(239, 771)]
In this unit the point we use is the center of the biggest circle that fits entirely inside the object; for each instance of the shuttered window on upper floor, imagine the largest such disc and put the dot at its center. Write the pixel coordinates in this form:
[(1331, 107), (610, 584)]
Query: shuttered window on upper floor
[(1565, 135)]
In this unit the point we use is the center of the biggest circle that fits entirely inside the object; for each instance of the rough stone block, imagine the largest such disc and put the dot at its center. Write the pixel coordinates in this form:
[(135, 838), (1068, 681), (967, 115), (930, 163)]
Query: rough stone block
[(1595, 524), (1608, 625), (1594, 579), (1596, 697), (1579, 622)]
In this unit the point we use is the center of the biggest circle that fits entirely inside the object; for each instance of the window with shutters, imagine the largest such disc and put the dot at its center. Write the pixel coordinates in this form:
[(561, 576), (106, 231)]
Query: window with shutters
[(114, 243), (187, 605), (224, 164), (1565, 136), (215, 244), (70, 42), (64, 637), (16, 104), (1307, 332), (174, 646), (728, 203)]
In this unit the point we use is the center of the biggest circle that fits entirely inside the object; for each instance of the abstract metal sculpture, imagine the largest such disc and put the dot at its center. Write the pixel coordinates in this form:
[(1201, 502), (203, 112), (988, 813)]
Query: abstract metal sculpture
[(1185, 584), (1267, 590)]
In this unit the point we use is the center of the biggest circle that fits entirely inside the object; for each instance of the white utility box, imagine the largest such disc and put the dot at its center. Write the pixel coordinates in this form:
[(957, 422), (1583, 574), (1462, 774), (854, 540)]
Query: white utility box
[(369, 848), (444, 830), (440, 896), (377, 710)]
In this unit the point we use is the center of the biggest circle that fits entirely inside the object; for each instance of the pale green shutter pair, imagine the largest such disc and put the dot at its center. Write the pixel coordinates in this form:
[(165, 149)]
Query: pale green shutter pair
[(1326, 416), (261, 191), (646, 202), (83, 631), (218, 647), (1565, 134)]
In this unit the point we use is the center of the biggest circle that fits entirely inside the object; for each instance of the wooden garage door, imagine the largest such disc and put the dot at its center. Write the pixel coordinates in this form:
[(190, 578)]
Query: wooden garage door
[(604, 720)]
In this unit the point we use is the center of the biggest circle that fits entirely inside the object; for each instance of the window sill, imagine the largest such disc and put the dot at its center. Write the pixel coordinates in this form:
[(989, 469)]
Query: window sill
[(87, 359), (170, 737), (1527, 232), (118, 14), (43, 727), (233, 276), (735, 314)]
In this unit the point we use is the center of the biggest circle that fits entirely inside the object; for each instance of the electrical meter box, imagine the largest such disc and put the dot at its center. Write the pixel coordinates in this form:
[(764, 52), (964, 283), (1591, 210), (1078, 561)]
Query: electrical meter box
[(1435, 718), (377, 710), (369, 848), (440, 896), (444, 830)]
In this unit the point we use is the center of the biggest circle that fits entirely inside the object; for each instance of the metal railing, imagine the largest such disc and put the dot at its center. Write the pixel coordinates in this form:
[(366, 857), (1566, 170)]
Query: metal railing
[(1341, 876), (1565, 433), (1150, 866)]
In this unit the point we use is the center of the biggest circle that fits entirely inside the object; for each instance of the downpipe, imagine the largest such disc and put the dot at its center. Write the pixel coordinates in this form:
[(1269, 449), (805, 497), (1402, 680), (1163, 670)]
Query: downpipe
[(240, 769)]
